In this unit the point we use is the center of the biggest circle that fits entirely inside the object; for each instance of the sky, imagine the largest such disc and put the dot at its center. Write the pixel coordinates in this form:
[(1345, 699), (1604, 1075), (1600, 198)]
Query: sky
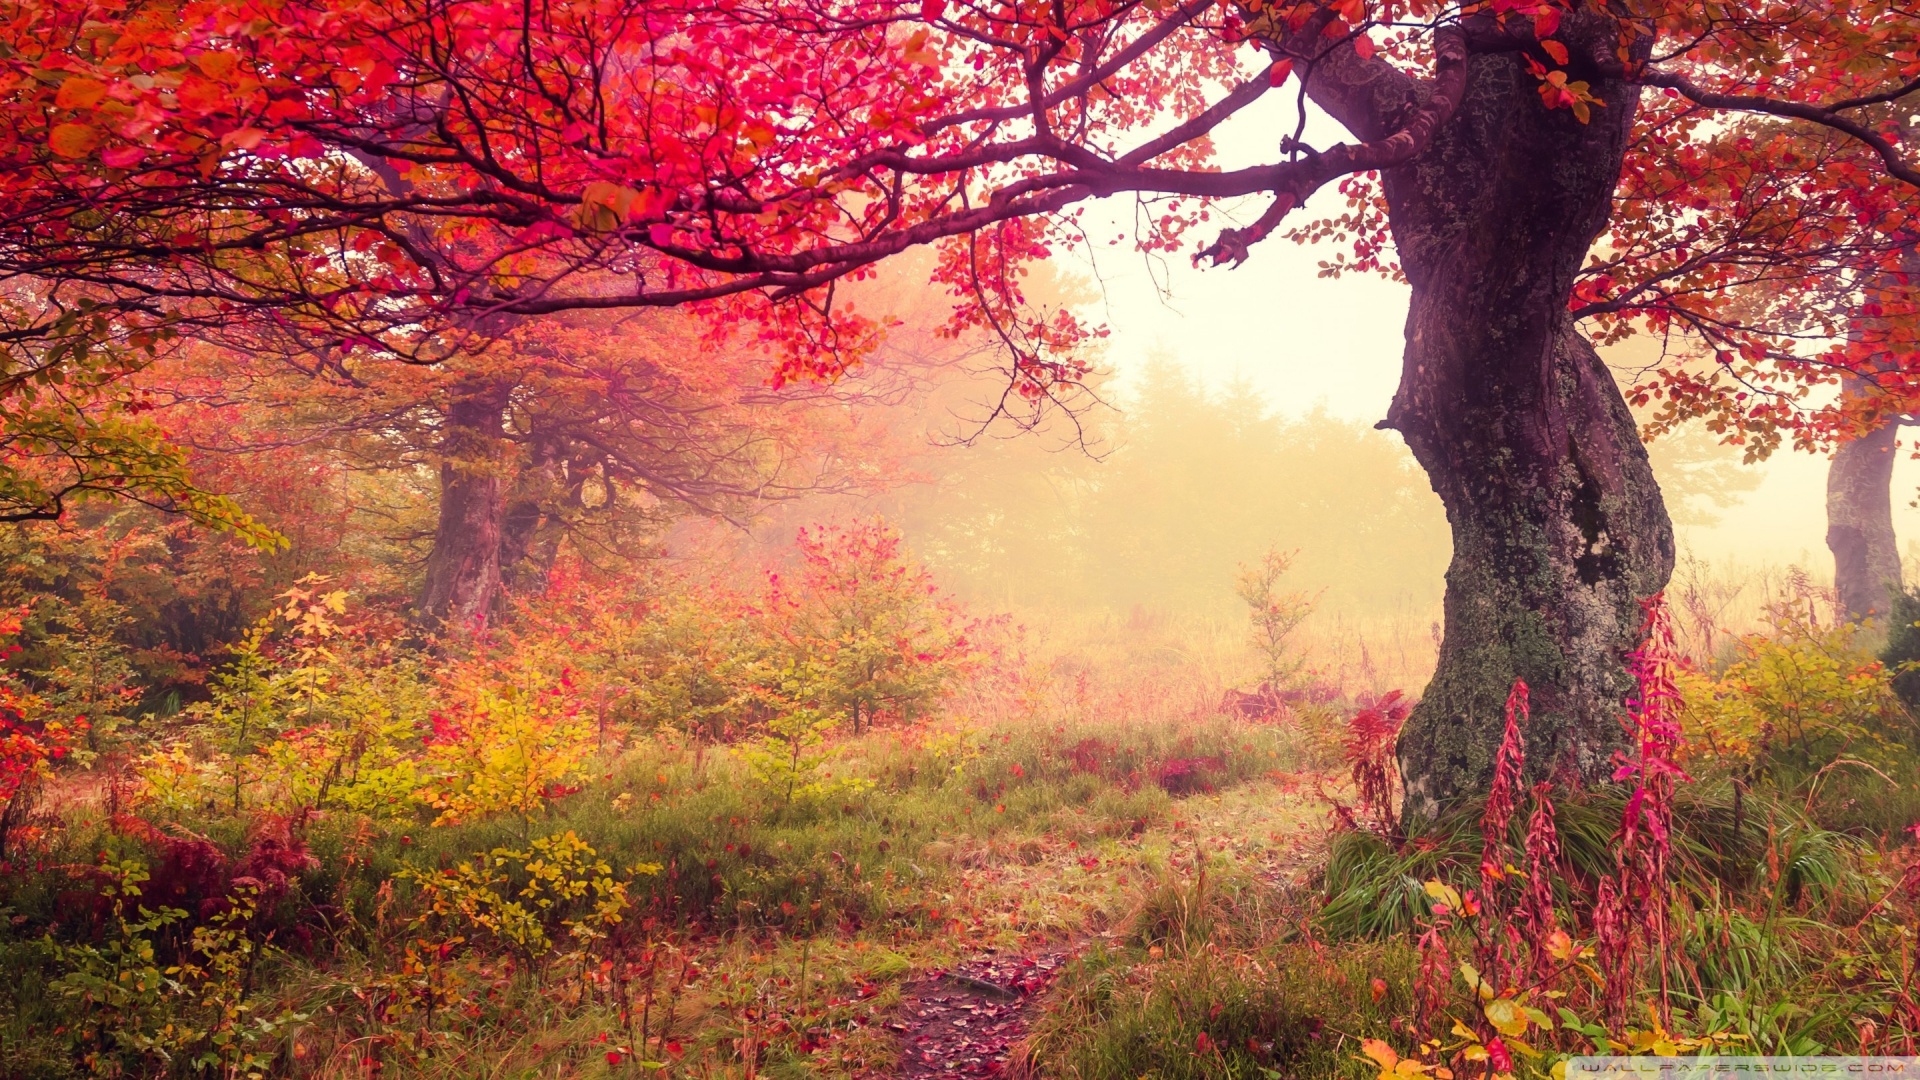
[(1311, 342)]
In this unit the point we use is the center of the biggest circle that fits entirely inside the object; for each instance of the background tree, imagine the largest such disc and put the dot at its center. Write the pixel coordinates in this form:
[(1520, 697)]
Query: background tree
[(1274, 615), (873, 631), (589, 431)]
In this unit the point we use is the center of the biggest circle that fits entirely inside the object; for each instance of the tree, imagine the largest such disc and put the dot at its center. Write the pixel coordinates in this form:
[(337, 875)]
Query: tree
[(1866, 552), (402, 178), (1804, 297), (1274, 615), (869, 629), (588, 430), (31, 737)]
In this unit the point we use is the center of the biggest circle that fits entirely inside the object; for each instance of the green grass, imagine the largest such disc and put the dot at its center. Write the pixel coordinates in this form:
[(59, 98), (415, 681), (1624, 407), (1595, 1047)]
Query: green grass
[(801, 919)]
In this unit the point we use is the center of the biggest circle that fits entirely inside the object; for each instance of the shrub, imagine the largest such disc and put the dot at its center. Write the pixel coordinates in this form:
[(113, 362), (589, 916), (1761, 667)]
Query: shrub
[(504, 750), (875, 634), (1793, 703), (1273, 615), (31, 739), (134, 1014), (1901, 654)]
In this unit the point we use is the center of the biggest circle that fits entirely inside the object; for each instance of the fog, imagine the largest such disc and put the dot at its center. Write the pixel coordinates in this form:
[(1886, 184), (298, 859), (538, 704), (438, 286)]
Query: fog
[(1308, 342)]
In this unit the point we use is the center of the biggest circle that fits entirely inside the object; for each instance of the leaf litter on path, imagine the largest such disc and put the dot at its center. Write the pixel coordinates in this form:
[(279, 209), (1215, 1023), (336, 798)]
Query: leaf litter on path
[(965, 1020)]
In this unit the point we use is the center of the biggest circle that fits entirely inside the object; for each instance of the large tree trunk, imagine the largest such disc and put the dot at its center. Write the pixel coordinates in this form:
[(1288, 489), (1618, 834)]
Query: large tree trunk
[(1866, 555), (1558, 527), (463, 570)]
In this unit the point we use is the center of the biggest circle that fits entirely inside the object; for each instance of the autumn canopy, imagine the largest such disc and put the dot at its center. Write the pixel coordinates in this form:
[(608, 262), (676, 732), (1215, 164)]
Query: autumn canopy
[(407, 181)]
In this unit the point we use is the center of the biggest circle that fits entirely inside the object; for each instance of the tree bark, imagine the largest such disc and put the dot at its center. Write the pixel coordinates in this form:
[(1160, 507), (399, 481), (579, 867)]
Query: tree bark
[(1866, 554), (529, 540), (463, 571), (1558, 527)]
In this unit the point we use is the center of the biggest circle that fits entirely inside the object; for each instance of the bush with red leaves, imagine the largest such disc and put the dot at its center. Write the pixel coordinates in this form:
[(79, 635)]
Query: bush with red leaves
[(1372, 733), (1187, 775), (193, 874)]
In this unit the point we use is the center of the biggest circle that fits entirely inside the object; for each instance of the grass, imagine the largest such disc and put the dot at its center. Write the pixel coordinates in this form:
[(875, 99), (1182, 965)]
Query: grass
[(1219, 931), (773, 934)]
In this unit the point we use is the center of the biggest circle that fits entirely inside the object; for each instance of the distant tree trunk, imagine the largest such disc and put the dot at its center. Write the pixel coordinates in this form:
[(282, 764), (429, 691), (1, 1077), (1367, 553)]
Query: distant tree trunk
[(1558, 527), (1866, 554), (463, 570)]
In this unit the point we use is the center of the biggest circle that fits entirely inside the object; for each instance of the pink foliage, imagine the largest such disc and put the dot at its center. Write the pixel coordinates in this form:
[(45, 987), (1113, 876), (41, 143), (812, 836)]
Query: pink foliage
[(1630, 908), (1372, 733)]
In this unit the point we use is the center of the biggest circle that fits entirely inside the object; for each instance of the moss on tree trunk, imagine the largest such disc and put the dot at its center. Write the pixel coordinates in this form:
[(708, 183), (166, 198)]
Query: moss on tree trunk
[(1558, 527)]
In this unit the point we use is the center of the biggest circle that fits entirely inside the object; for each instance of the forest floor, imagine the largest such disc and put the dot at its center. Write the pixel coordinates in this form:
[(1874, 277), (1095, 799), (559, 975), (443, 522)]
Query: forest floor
[(1046, 904), (916, 923)]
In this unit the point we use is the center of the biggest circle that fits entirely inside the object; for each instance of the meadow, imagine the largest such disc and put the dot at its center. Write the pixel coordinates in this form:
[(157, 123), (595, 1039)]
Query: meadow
[(710, 827)]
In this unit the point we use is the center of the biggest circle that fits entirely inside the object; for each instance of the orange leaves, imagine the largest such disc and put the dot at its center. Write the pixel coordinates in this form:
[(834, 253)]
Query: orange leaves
[(72, 140), (605, 207), (1394, 1067), (1557, 91), (202, 95), (80, 92), (917, 50)]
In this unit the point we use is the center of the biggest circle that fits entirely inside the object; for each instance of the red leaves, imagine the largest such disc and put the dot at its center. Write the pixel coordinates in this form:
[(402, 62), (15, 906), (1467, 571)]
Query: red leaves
[(1498, 1056), (1279, 73), (1372, 732), (1508, 762)]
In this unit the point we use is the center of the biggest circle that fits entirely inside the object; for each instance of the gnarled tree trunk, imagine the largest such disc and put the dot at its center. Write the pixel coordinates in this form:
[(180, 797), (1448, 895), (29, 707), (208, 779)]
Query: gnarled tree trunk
[(1866, 554), (1558, 527), (463, 570)]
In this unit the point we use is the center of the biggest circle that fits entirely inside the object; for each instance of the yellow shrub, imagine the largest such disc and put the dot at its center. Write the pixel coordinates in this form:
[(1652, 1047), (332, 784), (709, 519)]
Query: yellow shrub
[(1803, 695), (506, 750)]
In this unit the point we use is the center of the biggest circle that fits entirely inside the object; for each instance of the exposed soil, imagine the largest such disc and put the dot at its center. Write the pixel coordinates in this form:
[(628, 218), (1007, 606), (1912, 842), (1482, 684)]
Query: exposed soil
[(963, 1022)]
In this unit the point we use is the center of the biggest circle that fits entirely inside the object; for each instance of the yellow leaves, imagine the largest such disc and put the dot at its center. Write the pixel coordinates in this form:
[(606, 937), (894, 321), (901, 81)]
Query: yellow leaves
[(1657, 1041), (1473, 1050), (759, 134), (1560, 92), (513, 749), (72, 140), (606, 206), (1394, 1067), (1506, 1016), (1443, 895)]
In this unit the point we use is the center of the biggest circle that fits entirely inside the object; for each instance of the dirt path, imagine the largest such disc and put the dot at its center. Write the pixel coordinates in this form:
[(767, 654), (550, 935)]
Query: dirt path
[(963, 1022)]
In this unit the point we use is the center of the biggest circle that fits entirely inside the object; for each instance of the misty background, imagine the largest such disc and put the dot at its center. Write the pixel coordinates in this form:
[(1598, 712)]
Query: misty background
[(1236, 416)]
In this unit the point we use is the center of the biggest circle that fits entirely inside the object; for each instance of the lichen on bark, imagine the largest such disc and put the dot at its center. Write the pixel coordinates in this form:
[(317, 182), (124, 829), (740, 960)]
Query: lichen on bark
[(1558, 526)]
